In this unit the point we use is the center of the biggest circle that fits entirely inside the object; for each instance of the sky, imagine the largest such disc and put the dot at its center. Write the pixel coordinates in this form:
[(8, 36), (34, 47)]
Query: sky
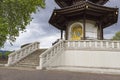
[(39, 30)]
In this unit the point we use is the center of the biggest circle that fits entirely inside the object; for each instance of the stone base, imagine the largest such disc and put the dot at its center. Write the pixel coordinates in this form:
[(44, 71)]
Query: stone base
[(87, 70), (88, 61)]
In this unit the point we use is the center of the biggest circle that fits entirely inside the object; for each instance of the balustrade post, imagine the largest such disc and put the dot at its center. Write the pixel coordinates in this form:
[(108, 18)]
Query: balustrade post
[(81, 44), (70, 44), (40, 63), (96, 44), (32, 47), (25, 51), (9, 61), (38, 45), (113, 45), (60, 47), (84, 44), (73, 44), (51, 53), (63, 46), (16, 57), (118, 44), (66, 44), (47, 56), (21, 53), (90, 44), (76, 44), (101, 44), (107, 44)]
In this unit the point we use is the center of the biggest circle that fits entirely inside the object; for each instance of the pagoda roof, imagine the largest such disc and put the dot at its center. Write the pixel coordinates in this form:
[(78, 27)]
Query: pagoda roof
[(65, 3), (106, 15)]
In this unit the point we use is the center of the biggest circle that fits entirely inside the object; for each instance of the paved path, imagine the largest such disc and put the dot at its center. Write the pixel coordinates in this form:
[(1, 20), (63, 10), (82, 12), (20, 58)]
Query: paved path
[(15, 74)]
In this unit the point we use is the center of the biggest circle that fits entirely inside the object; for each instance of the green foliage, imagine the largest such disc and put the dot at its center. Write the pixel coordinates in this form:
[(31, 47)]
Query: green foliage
[(14, 16), (5, 55), (117, 36), (0, 55)]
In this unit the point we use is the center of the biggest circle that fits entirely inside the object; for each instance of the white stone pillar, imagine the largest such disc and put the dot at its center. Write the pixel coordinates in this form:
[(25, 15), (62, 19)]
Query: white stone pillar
[(112, 44), (40, 63), (118, 44)]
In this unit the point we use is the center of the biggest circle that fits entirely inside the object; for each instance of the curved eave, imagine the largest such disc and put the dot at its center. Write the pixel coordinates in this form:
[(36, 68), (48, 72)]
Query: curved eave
[(101, 2), (65, 3), (55, 20), (83, 5), (107, 15)]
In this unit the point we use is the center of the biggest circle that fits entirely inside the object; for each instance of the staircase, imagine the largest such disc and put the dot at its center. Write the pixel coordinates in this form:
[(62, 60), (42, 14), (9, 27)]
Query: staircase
[(69, 55), (31, 61)]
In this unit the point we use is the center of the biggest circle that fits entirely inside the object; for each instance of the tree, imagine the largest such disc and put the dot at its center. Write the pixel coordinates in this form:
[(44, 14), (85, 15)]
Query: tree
[(117, 36), (14, 16)]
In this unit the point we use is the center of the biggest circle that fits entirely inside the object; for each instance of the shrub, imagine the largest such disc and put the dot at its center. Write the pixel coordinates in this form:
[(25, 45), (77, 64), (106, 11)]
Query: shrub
[(0, 55), (117, 36), (4, 55)]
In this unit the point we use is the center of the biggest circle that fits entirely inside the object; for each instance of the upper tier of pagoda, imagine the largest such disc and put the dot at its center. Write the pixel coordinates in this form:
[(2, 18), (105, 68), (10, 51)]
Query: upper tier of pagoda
[(65, 3), (106, 15)]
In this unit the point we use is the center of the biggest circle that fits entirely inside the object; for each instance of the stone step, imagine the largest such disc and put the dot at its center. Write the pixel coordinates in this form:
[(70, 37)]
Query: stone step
[(2, 65), (31, 58), (37, 62), (28, 65), (33, 64), (28, 61), (31, 61), (25, 66)]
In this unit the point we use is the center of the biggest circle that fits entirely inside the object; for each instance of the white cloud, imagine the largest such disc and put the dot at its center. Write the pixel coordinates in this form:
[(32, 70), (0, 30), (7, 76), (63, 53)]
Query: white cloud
[(47, 41), (108, 36)]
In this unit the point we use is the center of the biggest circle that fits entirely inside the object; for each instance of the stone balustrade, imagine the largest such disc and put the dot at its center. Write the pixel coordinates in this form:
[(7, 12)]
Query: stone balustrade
[(93, 44), (22, 53), (48, 55), (61, 46)]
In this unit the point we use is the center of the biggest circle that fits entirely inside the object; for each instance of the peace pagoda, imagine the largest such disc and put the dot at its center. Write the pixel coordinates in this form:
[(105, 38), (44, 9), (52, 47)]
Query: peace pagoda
[(83, 19), (84, 48)]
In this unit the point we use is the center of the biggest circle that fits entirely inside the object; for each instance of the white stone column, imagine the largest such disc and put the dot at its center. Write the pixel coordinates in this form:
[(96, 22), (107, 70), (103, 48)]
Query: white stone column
[(40, 63), (118, 44)]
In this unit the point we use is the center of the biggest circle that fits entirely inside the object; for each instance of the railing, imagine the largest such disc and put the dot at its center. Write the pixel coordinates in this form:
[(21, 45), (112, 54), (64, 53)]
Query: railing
[(22, 53), (50, 54), (97, 44), (48, 59)]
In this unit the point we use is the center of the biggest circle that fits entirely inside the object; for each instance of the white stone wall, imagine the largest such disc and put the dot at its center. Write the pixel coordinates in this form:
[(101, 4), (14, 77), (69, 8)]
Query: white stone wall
[(91, 30), (90, 59), (93, 58)]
